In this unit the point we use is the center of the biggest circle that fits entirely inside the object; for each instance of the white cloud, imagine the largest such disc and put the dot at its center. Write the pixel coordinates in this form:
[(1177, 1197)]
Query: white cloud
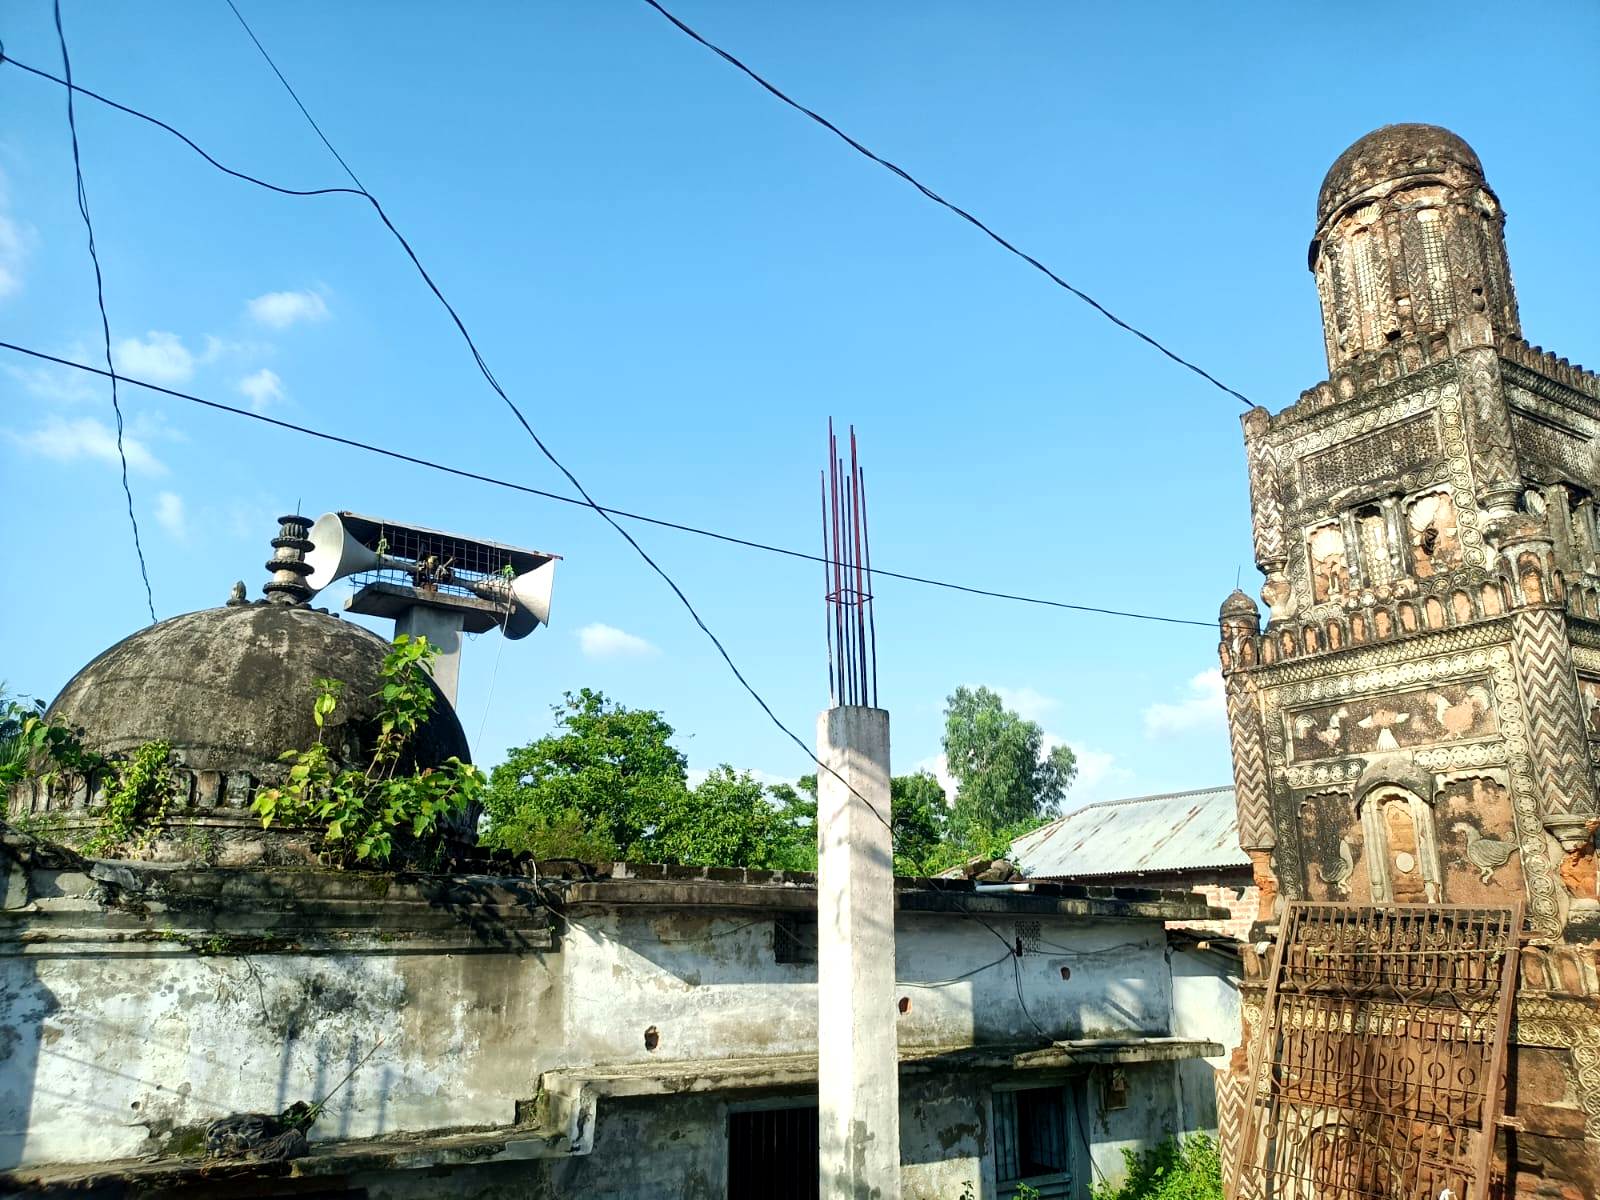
[(158, 357), (12, 251), (607, 641), (170, 515), (1204, 709), (15, 241), (68, 441), (279, 310), (1027, 703), (939, 767), (61, 384), (263, 387), (1099, 777)]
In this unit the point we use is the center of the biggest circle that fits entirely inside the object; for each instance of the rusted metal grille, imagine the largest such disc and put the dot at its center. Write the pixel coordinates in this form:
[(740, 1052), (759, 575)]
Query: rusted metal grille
[(1377, 1071)]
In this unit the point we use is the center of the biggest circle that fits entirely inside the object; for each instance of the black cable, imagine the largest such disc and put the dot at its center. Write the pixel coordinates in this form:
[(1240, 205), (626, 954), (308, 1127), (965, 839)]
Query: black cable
[(1016, 974), (100, 297), (488, 375), (1104, 952), (293, 95), (494, 481), (483, 368), (1077, 1109), (344, 191), (941, 201), (939, 983)]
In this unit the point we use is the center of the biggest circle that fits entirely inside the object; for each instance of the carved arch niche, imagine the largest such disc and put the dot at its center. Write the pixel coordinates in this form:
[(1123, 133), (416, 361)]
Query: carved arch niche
[(1433, 532), (1402, 845), (1332, 846), (1330, 565)]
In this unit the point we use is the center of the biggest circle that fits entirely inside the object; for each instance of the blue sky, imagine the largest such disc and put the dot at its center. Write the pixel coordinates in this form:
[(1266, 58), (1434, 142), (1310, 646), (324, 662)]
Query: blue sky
[(680, 281)]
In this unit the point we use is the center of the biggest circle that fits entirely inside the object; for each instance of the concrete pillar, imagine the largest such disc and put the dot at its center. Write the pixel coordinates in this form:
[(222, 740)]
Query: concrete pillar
[(858, 1067), (442, 628)]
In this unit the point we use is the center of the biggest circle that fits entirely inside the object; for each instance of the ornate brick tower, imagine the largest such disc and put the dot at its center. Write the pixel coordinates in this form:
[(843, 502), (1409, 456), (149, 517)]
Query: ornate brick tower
[(1419, 720)]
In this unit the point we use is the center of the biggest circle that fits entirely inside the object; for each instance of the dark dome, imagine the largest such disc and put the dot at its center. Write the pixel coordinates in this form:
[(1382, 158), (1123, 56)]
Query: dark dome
[(1390, 153), (231, 689), (1239, 604)]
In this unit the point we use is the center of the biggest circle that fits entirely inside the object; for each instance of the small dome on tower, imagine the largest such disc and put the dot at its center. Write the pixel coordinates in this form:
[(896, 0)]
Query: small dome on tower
[(1410, 239), (1239, 604), (1392, 153)]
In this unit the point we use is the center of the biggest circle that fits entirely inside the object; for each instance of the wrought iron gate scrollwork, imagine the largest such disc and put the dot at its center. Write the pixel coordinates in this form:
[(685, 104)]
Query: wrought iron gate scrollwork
[(1377, 1070)]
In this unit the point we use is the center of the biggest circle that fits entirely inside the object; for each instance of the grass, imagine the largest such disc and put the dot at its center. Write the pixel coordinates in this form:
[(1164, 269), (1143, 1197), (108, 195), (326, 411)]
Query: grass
[(1174, 1170)]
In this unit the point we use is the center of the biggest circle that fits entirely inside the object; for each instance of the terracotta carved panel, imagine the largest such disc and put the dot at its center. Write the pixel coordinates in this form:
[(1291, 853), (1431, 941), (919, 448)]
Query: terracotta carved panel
[(1476, 824), (1332, 842), (1330, 567), (1373, 534), (1589, 694), (1434, 534), (1447, 712), (1407, 885)]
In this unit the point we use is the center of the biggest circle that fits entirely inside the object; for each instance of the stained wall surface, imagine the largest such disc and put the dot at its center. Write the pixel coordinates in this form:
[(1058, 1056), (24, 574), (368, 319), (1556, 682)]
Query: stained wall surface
[(139, 1003)]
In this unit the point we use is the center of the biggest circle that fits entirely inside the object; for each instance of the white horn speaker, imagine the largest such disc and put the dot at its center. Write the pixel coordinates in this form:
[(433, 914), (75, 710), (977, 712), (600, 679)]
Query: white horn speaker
[(528, 596), (335, 554)]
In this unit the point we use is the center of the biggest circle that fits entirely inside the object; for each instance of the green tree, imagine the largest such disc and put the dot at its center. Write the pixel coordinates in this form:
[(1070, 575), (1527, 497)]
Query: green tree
[(796, 806), (725, 821), (1004, 778), (919, 817), (604, 780)]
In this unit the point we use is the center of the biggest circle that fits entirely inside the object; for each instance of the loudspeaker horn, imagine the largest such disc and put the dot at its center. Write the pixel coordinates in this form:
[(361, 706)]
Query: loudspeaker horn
[(335, 554), (528, 596)]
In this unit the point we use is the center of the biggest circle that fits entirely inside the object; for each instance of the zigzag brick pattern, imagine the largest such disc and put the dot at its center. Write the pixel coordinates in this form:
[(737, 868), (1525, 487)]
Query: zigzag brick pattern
[(1550, 697)]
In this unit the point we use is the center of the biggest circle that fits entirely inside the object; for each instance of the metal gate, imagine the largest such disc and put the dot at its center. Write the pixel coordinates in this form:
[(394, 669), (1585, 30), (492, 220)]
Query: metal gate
[(1377, 1069)]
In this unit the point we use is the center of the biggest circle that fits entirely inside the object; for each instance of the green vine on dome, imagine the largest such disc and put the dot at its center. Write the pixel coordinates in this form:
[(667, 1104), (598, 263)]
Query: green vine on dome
[(374, 813), (137, 795)]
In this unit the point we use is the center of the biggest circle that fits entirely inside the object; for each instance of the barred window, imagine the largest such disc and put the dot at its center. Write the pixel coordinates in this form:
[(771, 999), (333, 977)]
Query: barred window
[(794, 939), (1033, 1140)]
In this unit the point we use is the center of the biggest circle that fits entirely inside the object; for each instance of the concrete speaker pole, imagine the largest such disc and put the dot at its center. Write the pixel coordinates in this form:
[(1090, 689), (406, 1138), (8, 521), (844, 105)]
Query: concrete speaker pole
[(858, 1068)]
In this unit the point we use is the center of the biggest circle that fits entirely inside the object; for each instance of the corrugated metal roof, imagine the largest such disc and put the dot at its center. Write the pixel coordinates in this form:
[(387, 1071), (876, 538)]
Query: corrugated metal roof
[(1177, 831)]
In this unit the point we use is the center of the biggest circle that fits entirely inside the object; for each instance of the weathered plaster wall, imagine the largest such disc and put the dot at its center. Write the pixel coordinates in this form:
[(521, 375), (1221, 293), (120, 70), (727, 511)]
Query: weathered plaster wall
[(1151, 1114), (945, 1137), (677, 1146), (128, 1048), (709, 985), (138, 1003), (1117, 981), (1205, 1004)]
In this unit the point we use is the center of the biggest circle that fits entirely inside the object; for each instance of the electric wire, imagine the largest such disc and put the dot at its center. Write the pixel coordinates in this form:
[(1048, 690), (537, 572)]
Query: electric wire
[(344, 191), (479, 477), (1016, 974), (100, 297), (942, 202), (1105, 952), (516, 412), (334, 191), (939, 983), (295, 96)]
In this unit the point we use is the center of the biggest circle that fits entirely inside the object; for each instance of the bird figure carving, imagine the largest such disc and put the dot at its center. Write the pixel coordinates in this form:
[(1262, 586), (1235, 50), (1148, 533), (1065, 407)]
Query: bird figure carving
[(1488, 855), (1329, 736), (1385, 721), (1457, 720), (1337, 875)]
